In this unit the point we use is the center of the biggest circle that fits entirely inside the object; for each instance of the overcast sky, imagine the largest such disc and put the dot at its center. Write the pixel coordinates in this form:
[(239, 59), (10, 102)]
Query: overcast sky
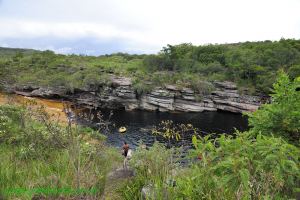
[(142, 26)]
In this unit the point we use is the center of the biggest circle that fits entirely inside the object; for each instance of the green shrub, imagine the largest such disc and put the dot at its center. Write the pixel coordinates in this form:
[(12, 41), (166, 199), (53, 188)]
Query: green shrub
[(19, 126), (202, 87), (294, 71), (153, 166), (241, 168), (140, 87), (282, 116)]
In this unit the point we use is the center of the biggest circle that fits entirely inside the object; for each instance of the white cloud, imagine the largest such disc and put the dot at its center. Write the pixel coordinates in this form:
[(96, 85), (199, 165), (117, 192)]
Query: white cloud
[(66, 30), (148, 25), (71, 31)]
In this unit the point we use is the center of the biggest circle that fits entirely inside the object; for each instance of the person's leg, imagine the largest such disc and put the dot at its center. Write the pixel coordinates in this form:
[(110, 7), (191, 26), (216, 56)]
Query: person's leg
[(126, 163)]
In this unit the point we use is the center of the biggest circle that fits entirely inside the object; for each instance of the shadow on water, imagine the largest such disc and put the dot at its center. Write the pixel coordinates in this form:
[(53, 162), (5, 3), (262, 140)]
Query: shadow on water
[(140, 123)]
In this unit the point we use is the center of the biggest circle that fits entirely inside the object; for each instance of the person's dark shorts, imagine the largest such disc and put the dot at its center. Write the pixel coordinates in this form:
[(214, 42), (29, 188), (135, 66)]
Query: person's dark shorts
[(125, 153)]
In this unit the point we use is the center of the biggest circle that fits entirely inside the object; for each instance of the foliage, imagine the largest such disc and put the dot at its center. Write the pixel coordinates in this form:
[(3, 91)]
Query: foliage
[(241, 168), (172, 132), (202, 87), (282, 116), (19, 126), (226, 167), (142, 87), (249, 64), (38, 152), (153, 167)]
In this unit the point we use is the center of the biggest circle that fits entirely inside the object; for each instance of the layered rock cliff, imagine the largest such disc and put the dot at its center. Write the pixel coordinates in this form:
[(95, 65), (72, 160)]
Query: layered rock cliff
[(121, 95)]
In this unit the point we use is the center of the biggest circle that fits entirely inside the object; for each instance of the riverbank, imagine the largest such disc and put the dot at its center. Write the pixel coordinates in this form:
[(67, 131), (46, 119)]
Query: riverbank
[(54, 108), (45, 169), (120, 94)]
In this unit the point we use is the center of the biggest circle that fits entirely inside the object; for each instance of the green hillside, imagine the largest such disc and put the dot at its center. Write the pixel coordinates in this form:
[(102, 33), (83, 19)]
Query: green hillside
[(252, 65), (4, 51)]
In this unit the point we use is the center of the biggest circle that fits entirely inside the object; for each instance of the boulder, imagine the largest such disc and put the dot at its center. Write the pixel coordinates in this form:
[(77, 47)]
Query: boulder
[(121, 173), (121, 81), (147, 192), (49, 92), (226, 85)]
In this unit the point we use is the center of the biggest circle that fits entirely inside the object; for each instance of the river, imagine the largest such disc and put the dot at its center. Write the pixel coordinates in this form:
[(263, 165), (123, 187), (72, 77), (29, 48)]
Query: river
[(140, 123)]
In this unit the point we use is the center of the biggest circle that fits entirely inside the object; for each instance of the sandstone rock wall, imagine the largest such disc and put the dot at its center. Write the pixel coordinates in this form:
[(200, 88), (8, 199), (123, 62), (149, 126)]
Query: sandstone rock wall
[(168, 99)]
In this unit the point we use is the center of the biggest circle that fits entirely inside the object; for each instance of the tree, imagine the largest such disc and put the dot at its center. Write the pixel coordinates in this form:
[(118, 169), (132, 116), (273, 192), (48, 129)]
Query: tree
[(294, 71), (282, 116)]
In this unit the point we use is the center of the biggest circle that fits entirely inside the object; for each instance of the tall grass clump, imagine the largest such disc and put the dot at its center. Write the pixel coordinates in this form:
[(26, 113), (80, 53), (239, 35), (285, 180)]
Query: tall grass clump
[(154, 167), (39, 155)]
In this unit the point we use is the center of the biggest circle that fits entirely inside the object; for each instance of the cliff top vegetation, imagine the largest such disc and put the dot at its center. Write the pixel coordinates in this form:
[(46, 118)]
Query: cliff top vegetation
[(252, 65)]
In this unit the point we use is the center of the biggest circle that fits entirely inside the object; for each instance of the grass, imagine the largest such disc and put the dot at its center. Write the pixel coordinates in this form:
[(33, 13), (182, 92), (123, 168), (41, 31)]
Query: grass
[(57, 171), (39, 154)]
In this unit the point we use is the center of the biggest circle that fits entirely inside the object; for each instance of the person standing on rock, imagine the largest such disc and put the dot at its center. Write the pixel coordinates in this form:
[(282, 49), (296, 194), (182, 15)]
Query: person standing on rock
[(127, 154), (125, 149)]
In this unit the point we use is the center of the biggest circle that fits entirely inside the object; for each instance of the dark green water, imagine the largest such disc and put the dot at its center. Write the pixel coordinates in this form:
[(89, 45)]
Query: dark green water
[(140, 123)]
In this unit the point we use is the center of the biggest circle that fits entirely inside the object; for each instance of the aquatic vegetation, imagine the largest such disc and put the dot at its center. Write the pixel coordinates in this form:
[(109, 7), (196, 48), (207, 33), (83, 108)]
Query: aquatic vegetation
[(173, 132)]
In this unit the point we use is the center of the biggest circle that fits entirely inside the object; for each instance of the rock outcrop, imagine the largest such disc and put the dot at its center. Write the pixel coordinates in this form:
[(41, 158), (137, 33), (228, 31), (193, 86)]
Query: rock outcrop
[(121, 95)]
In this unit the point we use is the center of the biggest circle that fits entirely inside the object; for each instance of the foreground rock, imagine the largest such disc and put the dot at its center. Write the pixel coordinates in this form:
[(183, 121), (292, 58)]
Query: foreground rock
[(120, 173), (121, 95), (114, 181)]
